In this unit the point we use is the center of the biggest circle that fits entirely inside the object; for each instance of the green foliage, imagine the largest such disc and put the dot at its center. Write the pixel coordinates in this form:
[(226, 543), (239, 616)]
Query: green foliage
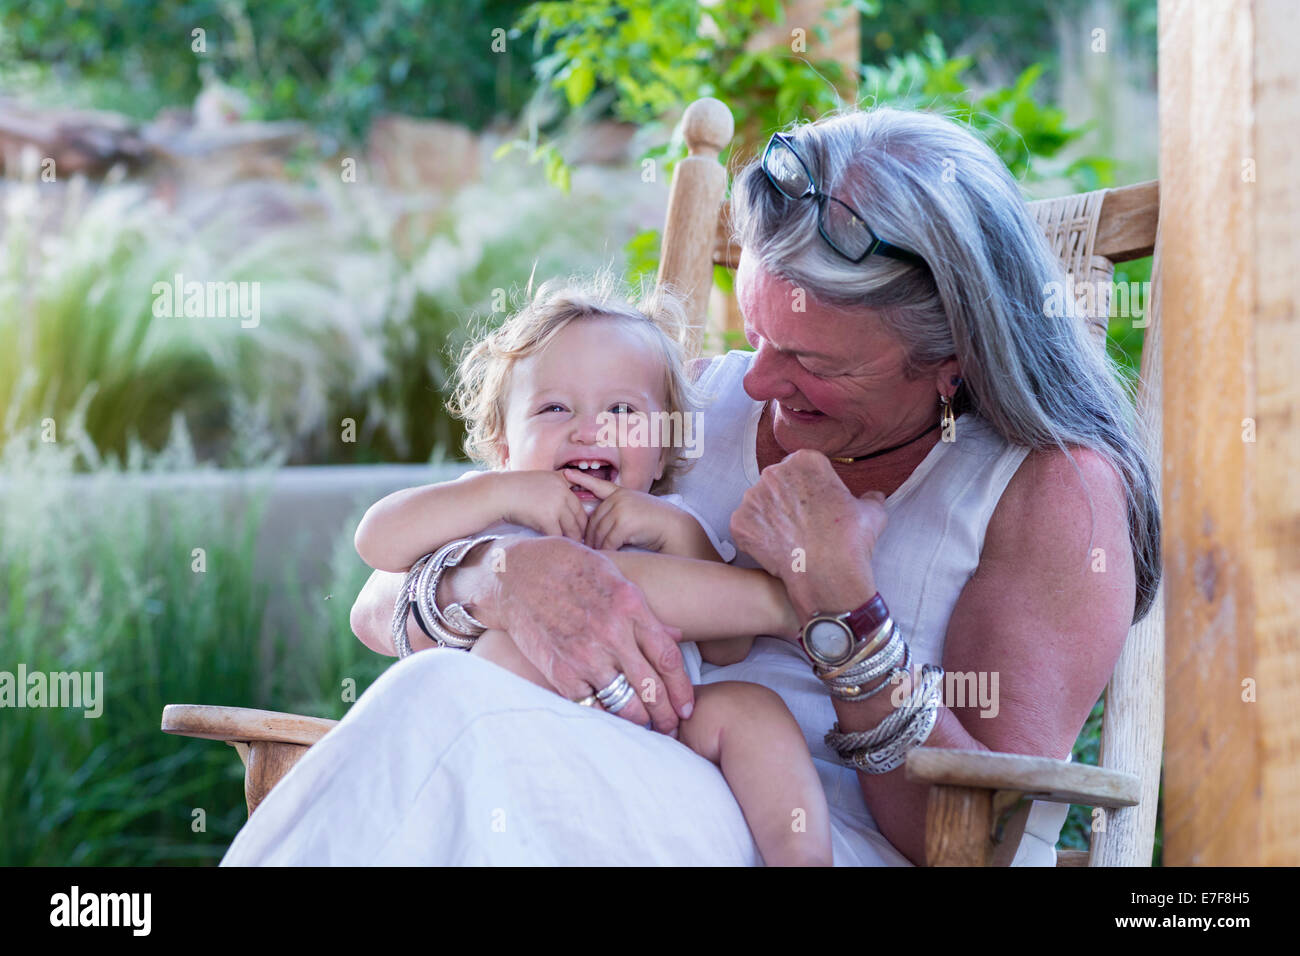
[(98, 576), (1017, 127), (642, 252), (1125, 334), (76, 324), (337, 65), (653, 57), (1012, 34), (1077, 831), (648, 52), (657, 57), (1076, 834)]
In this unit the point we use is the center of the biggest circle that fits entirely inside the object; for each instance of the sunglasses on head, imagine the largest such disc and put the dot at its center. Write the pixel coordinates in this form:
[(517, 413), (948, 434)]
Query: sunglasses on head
[(839, 224)]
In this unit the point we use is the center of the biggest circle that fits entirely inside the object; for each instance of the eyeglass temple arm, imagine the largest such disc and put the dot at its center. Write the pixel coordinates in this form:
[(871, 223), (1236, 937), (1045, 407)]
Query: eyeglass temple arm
[(885, 249)]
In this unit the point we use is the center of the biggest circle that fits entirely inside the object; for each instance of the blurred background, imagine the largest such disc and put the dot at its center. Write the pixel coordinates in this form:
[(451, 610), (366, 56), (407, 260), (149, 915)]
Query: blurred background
[(178, 495)]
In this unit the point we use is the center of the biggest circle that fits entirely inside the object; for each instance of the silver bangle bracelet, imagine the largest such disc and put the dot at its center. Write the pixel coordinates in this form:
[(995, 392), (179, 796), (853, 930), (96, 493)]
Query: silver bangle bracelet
[(402, 609), (878, 663), (893, 755), (426, 596), (853, 693), (893, 725), (885, 747), (452, 627)]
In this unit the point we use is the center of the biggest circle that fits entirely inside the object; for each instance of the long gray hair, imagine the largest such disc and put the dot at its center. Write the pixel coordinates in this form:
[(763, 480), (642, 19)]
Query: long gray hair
[(928, 185)]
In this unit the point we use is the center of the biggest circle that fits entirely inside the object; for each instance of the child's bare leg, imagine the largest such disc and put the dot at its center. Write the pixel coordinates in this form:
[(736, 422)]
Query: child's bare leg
[(747, 730)]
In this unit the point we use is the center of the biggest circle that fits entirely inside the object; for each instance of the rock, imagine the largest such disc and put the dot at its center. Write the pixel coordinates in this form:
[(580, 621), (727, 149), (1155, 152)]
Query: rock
[(422, 154)]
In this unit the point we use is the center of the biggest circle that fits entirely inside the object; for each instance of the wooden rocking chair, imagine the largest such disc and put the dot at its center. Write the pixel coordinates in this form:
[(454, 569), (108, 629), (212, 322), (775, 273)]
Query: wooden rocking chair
[(978, 801)]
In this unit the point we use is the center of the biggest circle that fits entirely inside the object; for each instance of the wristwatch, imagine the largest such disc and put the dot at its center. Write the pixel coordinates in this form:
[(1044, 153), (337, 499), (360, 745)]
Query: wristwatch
[(832, 639)]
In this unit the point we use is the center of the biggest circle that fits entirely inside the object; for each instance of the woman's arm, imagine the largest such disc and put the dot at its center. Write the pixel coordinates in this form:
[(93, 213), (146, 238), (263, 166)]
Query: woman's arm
[(372, 615), (1034, 614), (705, 600), (571, 612)]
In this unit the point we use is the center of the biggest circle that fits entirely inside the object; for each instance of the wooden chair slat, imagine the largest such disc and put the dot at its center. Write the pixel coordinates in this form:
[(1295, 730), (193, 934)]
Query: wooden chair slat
[(1125, 231)]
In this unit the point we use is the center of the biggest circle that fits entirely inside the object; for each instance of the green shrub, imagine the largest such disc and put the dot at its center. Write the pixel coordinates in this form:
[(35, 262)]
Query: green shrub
[(365, 298), (99, 577)]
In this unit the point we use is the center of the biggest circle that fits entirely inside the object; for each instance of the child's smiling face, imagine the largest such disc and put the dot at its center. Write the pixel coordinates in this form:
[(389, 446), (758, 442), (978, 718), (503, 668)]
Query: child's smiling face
[(595, 371)]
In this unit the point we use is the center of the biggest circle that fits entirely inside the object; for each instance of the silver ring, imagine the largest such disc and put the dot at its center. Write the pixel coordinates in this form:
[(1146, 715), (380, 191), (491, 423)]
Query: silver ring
[(614, 704), (613, 688)]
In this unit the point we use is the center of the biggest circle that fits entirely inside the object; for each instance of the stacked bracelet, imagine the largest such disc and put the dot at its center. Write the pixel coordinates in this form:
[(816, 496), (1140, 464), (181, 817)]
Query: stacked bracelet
[(885, 746), (861, 669), (453, 626), (848, 681), (876, 651), (854, 689)]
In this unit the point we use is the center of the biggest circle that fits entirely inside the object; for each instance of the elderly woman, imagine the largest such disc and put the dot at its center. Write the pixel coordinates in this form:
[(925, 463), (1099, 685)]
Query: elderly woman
[(940, 470)]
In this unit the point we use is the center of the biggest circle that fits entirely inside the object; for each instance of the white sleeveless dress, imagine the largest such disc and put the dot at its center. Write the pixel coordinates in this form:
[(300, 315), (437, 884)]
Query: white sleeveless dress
[(448, 759)]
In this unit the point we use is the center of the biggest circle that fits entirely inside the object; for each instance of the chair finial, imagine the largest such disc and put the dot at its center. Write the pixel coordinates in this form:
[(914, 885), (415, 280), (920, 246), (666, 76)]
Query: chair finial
[(708, 126)]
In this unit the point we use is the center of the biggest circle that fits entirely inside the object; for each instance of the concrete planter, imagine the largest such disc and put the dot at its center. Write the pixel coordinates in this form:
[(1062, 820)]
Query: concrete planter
[(306, 511)]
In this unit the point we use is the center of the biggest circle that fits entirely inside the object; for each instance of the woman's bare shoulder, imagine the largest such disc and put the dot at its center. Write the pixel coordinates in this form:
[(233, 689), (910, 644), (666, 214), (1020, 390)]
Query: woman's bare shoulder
[(1057, 504)]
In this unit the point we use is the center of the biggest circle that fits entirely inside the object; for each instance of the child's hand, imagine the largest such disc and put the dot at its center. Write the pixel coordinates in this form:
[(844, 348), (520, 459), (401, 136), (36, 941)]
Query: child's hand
[(541, 500), (628, 517)]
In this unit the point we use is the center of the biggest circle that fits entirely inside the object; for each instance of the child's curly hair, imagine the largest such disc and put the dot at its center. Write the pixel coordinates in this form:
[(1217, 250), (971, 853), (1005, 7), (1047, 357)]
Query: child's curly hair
[(483, 375)]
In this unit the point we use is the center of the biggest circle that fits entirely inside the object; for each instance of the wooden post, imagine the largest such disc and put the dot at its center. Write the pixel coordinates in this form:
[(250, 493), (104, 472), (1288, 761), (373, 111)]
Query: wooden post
[(699, 183), (1230, 201), (265, 762)]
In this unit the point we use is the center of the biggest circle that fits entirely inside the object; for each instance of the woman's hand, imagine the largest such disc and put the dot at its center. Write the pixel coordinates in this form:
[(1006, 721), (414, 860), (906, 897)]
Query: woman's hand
[(802, 525), (580, 622), (541, 500)]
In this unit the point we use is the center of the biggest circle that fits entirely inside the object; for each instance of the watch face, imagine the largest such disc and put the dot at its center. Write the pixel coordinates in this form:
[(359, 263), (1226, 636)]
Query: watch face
[(829, 640)]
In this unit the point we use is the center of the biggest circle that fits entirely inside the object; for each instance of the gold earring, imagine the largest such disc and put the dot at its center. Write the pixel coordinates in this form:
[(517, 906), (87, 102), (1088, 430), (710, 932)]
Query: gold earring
[(947, 422)]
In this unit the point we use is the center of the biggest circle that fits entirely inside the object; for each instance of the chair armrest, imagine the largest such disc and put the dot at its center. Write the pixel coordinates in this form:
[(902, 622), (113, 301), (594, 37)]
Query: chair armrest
[(1041, 778), (243, 724)]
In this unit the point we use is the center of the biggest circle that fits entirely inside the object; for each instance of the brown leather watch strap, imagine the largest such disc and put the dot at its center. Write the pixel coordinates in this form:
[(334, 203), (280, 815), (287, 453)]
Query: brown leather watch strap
[(868, 617)]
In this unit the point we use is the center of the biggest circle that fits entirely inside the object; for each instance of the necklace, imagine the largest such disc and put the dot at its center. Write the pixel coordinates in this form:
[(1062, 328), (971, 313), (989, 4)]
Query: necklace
[(886, 451)]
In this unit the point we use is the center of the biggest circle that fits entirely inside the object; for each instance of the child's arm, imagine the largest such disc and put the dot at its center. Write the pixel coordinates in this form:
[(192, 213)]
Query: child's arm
[(637, 518), (689, 540), (710, 601), (402, 527), (626, 517)]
